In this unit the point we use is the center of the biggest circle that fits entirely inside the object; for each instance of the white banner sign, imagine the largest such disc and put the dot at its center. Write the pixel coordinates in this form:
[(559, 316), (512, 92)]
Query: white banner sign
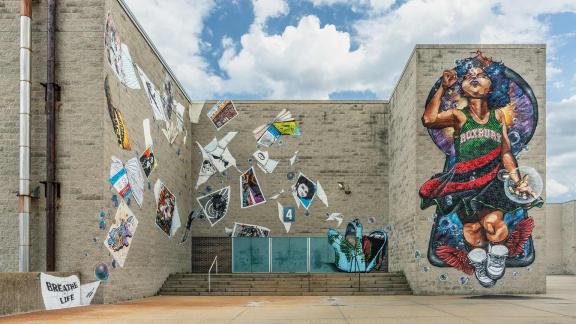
[(65, 292), (60, 292), (88, 291)]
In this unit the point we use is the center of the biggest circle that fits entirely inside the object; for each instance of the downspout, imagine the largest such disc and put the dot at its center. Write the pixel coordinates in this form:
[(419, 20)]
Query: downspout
[(51, 141), (24, 174)]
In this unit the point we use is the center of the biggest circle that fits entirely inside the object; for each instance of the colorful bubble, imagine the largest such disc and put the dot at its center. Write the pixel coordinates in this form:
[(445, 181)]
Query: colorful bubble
[(503, 175), (101, 272), (526, 192)]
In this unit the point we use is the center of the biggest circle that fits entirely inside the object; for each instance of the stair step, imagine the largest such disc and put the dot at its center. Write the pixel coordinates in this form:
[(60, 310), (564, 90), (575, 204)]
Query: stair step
[(286, 284)]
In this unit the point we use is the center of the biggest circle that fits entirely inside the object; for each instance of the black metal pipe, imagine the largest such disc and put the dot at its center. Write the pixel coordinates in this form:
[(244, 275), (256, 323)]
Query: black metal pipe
[(51, 141)]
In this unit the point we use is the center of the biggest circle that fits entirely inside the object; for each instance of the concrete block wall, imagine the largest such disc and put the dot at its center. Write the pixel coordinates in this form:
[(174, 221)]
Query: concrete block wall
[(402, 173), (21, 291), (555, 244), (9, 107), (79, 137), (431, 60), (85, 143), (153, 255), (569, 237), (341, 141), (561, 238)]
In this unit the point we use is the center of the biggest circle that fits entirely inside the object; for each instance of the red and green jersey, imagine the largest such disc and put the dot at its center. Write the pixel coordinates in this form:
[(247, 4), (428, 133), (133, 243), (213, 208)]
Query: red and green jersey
[(475, 140), (478, 148)]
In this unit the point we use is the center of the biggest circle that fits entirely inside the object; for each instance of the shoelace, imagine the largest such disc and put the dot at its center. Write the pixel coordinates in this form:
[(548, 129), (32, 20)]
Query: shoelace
[(481, 272), (497, 260)]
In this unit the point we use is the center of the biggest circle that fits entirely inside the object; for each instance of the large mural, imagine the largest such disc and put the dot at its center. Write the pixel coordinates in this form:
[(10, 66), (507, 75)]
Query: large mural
[(482, 115)]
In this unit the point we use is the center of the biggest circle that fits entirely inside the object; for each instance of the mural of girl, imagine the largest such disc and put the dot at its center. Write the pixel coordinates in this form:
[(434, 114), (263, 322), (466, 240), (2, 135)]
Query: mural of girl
[(481, 114)]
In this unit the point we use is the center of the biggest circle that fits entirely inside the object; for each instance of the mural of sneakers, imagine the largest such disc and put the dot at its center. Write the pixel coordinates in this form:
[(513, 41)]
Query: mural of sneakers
[(478, 259), (496, 261)]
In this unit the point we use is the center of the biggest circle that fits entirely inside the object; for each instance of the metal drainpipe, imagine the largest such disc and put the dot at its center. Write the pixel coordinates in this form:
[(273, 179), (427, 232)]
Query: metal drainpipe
[(24, 175), (51, 141)]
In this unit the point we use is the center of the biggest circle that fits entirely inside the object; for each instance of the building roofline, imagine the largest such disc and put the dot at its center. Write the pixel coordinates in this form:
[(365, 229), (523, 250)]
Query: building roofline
[(480, 46), (561, 203), (381, 101), (154, 49), (303, 101)]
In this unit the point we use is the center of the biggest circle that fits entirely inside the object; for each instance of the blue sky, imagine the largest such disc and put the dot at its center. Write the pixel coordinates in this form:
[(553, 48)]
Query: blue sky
[(355, 49)]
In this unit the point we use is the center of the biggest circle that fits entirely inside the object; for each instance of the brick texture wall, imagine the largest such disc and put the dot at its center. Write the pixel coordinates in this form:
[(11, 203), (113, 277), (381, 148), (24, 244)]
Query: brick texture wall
[(85, 143), (79, 135), (561, 238), (153, 255), (340, 142)]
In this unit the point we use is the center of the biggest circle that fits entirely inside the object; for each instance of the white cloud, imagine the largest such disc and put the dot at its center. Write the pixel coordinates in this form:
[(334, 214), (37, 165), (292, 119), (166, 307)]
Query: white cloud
[(372, 6), (555, 188), (311, 61), (551, 71), (305, 61), (561, 147), (264, 9), (175, 27)]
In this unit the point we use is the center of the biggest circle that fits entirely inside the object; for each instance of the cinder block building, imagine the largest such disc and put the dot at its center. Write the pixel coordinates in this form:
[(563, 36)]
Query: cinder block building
[(371, 159)]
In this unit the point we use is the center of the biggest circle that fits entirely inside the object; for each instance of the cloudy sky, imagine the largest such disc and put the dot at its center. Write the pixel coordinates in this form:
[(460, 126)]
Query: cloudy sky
[(355, 49)]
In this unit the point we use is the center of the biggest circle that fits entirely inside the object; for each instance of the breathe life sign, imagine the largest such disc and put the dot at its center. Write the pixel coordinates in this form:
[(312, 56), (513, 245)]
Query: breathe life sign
[(60, 292), (64, 292)]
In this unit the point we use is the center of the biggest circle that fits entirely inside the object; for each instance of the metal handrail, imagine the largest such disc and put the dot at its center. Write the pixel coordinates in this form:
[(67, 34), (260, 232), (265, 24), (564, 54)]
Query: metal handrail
[(210, 271)]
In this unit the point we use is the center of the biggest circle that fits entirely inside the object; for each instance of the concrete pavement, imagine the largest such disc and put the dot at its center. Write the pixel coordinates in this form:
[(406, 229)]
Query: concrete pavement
[(557, 306)]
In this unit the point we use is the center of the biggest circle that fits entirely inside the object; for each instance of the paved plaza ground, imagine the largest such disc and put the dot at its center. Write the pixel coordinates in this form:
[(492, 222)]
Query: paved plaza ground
[(557, 306)]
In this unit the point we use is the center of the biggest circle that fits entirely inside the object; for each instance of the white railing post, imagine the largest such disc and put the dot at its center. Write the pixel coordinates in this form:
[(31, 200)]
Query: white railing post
[(210, 271)]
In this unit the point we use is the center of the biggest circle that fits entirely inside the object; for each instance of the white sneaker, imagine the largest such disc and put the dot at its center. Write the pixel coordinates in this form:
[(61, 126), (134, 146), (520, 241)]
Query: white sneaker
[(478, 259), (496, 263)]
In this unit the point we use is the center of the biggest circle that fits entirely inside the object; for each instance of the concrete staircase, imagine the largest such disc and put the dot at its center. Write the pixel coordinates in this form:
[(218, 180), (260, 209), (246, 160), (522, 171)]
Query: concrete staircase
[(286, 284)]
